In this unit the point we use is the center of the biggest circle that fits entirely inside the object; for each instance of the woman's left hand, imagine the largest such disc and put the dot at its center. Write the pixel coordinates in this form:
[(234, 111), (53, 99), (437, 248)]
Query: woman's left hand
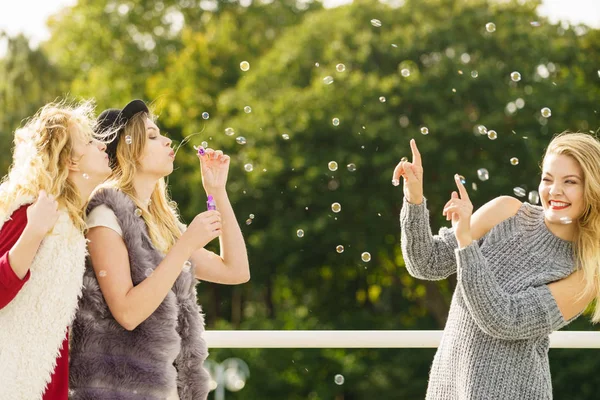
[(460, 209), (215, 168)]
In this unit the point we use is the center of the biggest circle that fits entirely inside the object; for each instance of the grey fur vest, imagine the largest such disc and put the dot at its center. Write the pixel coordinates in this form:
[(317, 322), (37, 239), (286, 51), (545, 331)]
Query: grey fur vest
[(164, 351)]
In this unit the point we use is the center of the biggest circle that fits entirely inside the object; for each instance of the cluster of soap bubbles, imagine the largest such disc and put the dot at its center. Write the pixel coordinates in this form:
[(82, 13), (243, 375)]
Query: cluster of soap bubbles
[(405, 71)]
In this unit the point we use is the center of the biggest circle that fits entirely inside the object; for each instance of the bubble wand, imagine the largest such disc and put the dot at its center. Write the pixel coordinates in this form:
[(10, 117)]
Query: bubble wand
[(210, 203)]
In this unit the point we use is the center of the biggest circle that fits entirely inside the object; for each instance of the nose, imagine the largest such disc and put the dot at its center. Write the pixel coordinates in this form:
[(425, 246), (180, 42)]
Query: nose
[(555, 190), (168, 142), (101, 146)]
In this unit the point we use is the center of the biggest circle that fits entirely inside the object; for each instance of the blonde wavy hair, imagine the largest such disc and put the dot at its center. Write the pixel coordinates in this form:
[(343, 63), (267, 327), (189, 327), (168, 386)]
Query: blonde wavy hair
[(41, 155), (162, 218), (585, 149)]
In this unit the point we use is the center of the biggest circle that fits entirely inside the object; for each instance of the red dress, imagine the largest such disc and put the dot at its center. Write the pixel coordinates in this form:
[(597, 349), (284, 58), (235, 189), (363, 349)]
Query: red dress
[(10, 284)]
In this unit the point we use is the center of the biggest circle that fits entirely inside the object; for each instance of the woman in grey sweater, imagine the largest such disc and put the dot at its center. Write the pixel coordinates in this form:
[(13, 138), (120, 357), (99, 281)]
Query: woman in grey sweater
[(523, 271)]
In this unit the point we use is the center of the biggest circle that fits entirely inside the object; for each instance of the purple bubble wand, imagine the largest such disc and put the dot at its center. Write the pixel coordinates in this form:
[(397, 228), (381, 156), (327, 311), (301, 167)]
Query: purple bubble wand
[(211, 204)]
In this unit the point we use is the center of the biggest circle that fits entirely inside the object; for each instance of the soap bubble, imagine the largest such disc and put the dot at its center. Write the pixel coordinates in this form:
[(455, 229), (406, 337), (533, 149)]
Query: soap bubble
[(519, 191), (546, 112), (534, 197), (483, 174)]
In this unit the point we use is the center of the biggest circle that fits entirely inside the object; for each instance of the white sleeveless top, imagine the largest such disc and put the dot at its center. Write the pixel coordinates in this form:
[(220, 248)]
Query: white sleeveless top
[(103, 216)]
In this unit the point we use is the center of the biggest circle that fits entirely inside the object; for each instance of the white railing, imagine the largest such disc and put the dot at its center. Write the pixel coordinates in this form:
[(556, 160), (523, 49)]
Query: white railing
[(264, 339)]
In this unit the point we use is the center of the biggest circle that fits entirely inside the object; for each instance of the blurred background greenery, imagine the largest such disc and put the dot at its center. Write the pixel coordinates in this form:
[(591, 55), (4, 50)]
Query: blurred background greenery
[(350, 84)]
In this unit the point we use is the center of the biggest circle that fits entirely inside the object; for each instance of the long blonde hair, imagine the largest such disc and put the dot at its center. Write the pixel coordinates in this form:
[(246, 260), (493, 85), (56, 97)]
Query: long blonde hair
[(585, 149), (162, 218), (41, 155)]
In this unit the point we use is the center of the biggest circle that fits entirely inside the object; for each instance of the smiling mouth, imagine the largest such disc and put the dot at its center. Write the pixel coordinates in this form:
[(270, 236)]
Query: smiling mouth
[(558, 205)]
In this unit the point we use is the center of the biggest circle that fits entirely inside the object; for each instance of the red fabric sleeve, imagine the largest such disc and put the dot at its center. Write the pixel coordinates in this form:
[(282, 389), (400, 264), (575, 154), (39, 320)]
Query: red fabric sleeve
[(10, 284)]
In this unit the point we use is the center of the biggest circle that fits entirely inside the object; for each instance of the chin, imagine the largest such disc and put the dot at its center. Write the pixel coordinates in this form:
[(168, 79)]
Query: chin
[(559, 217), (167, 171)]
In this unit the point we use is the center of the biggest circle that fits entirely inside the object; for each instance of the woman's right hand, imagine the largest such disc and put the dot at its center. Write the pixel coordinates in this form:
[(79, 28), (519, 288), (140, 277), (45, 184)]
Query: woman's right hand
[(43, 214), (204, 228), (412, 172)]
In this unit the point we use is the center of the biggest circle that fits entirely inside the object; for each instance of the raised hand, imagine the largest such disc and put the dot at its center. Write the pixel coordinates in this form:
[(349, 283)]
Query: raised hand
[(203, 229), (412, 174), (459, 208), (43, 214), (215, 169)]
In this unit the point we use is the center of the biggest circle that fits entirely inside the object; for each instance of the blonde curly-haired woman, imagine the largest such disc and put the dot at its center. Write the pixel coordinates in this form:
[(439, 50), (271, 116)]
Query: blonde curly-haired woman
[(57, 162)]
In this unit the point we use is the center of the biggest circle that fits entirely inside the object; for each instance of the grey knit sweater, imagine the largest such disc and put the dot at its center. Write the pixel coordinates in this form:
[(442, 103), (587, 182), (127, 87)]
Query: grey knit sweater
[(495, 343)]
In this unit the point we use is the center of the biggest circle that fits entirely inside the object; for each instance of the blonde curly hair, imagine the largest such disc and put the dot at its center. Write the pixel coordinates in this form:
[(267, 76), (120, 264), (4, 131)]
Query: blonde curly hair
[(42, 151)]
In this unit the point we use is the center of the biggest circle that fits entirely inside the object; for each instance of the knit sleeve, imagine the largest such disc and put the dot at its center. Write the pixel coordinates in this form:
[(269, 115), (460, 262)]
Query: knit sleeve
[(426, 256), (530, 313)]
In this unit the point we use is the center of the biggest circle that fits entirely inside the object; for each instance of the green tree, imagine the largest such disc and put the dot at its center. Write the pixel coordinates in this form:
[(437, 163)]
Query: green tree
[(429, 64), (27, 81)]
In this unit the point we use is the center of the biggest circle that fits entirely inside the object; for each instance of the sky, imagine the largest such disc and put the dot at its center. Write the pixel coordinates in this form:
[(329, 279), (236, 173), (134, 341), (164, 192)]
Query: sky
[(29, 16)]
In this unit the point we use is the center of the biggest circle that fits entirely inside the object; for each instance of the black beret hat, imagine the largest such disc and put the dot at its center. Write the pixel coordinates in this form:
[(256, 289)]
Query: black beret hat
[(113, 118)]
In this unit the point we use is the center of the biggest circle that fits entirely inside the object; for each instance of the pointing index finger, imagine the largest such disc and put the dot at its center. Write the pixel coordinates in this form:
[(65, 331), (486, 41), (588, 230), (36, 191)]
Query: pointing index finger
[(415, 153), (461, 188)]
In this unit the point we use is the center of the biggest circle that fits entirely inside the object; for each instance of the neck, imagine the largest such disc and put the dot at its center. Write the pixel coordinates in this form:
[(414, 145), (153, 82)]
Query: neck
[(84, 187), (144, 186), (563, 231)]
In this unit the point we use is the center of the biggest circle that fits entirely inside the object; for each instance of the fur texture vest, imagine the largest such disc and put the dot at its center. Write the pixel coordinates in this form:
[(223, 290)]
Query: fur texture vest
[(164, 353), (34, 324)]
